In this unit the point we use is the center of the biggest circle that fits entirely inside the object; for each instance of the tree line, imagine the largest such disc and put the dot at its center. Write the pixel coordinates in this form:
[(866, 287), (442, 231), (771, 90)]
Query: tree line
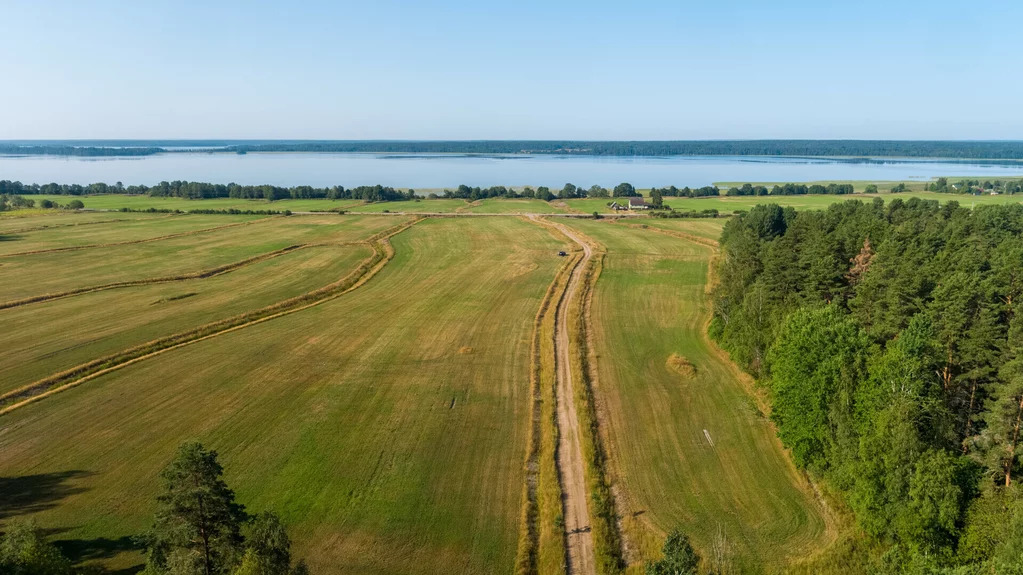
[(969, 186), (16, 202), (890, 340), (791, 189), (205, 190)]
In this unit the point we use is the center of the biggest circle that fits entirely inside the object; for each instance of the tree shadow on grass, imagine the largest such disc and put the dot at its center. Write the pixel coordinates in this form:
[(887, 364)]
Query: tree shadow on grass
[(33, 493), (79, 550), (28, 494)]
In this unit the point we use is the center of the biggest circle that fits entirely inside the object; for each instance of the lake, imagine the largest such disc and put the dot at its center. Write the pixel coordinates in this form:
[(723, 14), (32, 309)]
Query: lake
[(450, 170)]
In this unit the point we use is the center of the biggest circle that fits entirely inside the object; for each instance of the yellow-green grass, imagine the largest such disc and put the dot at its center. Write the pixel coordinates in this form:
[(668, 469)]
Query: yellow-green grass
[(143, 202), (54, 272), (590, 205), (388, 427), (412, 206), (38, 340), (16, 221), (649, 303), (512, 206), (726, 204), (708, 228), (115, 232)]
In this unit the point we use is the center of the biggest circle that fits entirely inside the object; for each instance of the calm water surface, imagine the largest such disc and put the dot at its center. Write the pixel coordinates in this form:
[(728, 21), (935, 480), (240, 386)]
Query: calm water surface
[(439, 171)]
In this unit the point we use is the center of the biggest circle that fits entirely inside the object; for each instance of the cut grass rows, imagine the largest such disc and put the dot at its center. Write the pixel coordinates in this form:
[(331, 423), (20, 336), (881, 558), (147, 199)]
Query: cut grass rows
[(388, 427), (201, 274), (130, 242), (44, 273), (66, 225), (382, 253), (42, 339), (711, 243)]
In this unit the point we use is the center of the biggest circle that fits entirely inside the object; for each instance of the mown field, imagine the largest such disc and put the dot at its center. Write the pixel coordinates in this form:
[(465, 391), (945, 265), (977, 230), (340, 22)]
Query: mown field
[(102, 322), (387, 426), (688, 449)]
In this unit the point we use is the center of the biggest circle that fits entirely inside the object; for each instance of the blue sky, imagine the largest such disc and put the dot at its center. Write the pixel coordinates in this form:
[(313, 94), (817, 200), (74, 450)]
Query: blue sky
[(511, 70)]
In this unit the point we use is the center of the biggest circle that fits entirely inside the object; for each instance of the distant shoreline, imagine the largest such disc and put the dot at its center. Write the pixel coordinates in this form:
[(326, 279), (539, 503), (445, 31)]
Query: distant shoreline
[(842, 150)]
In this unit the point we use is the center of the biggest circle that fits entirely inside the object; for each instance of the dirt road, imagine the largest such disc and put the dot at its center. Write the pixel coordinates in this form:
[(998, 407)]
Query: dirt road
[(579, 539)]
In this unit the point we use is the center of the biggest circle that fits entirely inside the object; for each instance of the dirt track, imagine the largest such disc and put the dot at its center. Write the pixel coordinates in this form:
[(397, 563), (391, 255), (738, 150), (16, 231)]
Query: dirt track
[(578, 537)]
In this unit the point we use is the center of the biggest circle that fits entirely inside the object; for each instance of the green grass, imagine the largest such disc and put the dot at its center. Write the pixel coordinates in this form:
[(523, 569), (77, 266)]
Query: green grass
[(512, 206), (388, 427), (590, 205), (114, 232), (43, 273), (101, 323), (117, 201), (709, 228), (15, 220), (649, 303), (412, 206)]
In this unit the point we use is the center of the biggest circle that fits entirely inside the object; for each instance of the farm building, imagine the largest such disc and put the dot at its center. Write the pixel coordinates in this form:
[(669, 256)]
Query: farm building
[(638, 204)]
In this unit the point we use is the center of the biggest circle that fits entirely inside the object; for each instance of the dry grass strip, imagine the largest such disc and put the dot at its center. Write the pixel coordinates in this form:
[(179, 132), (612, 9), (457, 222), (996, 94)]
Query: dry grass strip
[(607, 539), (541, 540)]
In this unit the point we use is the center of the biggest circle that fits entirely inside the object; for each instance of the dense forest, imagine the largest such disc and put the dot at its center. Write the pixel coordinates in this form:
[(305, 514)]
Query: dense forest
[(889, 340), (996, 150)]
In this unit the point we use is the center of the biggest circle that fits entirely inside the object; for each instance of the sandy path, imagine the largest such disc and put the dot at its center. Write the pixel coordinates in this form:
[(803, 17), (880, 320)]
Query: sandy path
[(579, 539)]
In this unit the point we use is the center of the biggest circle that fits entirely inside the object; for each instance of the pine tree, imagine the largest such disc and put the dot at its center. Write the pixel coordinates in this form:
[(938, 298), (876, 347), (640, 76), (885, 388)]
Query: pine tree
[(198, 525)]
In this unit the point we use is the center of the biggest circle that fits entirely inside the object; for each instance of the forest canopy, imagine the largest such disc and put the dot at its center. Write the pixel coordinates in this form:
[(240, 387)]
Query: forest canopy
[(890, 340)]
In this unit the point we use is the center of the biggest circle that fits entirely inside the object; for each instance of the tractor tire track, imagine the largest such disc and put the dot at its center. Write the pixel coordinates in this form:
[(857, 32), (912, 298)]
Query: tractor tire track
[(541, 454), (571, 465)]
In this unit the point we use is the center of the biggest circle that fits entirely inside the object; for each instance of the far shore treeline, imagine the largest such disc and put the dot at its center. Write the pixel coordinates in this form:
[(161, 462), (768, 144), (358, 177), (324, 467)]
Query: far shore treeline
[(378, 193), (854, 150)]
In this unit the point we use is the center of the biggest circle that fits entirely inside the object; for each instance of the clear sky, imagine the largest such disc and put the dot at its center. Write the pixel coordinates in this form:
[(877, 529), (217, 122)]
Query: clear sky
[(381, 69)]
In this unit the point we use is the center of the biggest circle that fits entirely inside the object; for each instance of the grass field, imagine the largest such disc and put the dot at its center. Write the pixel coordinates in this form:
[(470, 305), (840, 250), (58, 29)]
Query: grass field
[(117, 201), (412, 206), (138, 229), (707, 228), (512, 206), (44, 273), (390, 425), (387, 426), (687, 450), (103, 322), (20, 220), (727, 204)]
